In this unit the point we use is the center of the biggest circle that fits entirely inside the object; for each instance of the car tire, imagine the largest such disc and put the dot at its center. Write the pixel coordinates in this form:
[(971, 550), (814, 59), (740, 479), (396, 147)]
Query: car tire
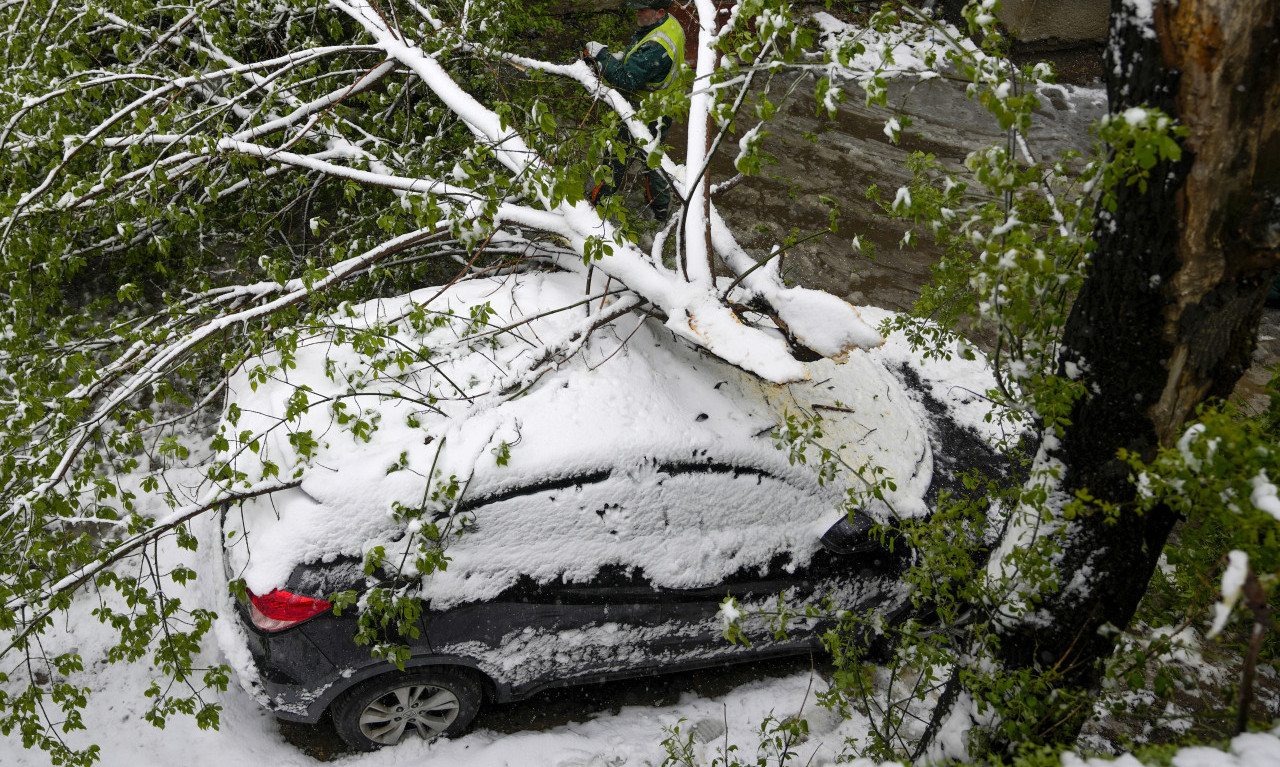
[(387, 709)]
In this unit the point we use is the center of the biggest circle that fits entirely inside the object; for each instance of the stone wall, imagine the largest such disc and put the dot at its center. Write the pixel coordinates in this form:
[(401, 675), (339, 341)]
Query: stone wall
[(1054, 20)]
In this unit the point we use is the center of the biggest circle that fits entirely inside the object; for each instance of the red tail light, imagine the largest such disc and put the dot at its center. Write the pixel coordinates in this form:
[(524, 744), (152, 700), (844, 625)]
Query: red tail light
[(278, 609)]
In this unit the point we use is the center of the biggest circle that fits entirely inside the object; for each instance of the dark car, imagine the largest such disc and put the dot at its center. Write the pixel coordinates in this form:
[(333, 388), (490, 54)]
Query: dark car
[(534, 636), (612, 507)]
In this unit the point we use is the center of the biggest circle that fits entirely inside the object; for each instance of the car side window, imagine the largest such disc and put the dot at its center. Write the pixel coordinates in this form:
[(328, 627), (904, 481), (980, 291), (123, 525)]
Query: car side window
[(676, 527)]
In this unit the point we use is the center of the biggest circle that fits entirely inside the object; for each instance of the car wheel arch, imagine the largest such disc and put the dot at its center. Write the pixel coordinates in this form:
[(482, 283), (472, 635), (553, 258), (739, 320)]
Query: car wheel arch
[(492, 691)]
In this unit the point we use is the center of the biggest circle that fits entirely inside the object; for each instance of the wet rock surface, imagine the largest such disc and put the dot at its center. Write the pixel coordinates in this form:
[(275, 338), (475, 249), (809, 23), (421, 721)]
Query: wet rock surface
[(819, 164), (1250, 390)]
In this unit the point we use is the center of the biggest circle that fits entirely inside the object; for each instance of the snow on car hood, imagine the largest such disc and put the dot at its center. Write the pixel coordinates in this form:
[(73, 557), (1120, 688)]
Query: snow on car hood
[(635, 410)]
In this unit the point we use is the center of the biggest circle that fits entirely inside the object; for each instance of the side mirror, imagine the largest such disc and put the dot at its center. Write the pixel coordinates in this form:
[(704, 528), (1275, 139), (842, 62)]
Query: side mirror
[(854, 534)]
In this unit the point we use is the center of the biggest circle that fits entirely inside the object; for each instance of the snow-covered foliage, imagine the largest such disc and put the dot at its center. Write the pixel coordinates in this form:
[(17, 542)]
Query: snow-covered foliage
[(1018, 228), (202, 197), (192, 185), (1218, 475)]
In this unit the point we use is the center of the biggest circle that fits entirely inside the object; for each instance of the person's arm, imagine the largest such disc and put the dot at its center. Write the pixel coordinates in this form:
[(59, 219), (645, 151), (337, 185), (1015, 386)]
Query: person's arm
[(647, 65)]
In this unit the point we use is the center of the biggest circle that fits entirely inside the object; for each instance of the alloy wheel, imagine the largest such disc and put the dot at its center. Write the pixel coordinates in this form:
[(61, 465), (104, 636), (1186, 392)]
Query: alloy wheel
[(425, 709)]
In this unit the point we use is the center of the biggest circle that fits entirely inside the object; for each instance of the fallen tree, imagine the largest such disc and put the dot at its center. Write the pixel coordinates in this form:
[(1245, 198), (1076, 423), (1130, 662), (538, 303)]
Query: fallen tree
[(189, 186)]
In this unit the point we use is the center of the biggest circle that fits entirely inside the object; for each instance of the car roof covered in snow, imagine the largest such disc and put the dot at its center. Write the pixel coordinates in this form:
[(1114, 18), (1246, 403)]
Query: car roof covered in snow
[(631, 399)]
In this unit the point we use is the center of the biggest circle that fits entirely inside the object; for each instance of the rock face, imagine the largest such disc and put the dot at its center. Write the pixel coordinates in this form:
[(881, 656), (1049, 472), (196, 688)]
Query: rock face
[(1040, 21), (819, 163)]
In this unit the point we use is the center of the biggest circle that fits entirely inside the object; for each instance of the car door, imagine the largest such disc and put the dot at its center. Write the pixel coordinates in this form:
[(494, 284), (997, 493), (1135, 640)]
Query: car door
[(656, 549), (731, 531), (784, 557), (560, 619)]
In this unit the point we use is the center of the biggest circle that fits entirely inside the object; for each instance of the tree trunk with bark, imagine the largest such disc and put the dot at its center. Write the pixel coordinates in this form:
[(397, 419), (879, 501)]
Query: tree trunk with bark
[(1167, 317)]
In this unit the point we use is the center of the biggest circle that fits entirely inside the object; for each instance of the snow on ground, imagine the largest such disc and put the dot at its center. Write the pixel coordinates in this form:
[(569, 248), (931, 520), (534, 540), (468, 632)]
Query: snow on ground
[(630, 736), (250, 736), (1255, 749)]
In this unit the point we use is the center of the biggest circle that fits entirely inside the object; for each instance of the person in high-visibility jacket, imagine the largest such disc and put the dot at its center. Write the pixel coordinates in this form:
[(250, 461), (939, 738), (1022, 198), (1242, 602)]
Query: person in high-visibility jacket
[(652, 63)]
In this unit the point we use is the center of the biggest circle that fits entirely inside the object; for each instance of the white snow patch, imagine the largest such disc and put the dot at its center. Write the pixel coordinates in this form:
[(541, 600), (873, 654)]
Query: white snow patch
[(902, 200), (1264, 496), (1255, 749), (1141, 14), (1134, 116), (1233, 579), (1192, 434)]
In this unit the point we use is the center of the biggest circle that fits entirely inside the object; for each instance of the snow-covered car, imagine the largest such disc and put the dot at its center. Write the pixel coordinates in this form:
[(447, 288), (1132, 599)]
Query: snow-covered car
[(599, 505)]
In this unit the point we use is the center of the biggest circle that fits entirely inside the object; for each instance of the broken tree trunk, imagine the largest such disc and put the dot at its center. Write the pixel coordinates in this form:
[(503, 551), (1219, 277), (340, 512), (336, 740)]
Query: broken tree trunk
[(1167, 318)]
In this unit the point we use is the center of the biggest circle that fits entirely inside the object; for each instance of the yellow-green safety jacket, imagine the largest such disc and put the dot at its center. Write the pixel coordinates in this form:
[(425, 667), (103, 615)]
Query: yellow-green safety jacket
[(653, 61)]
